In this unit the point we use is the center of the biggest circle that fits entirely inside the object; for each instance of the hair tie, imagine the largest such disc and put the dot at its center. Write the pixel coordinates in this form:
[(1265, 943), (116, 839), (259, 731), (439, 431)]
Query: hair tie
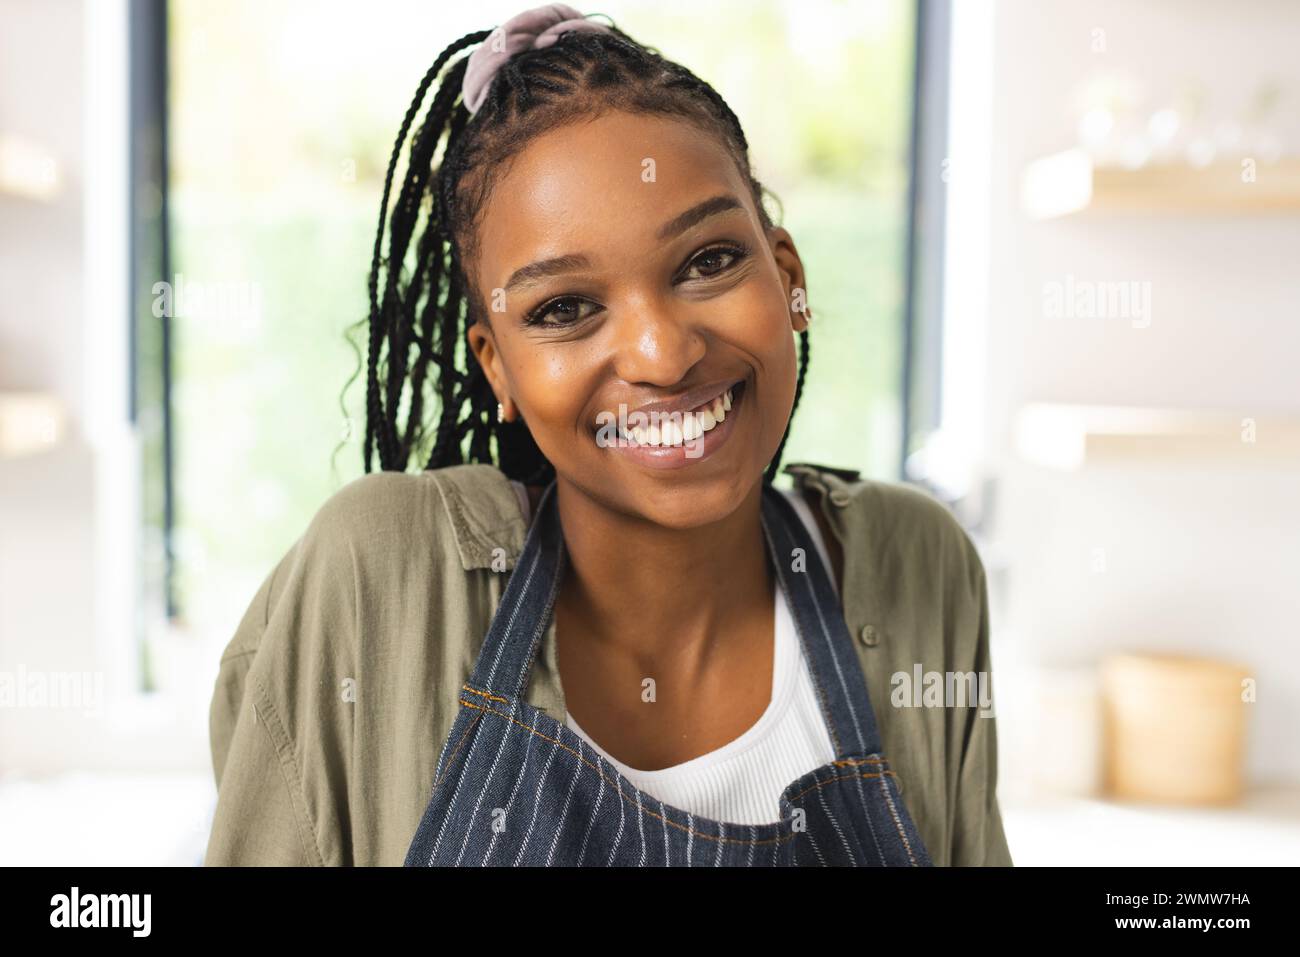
[(533, 29)]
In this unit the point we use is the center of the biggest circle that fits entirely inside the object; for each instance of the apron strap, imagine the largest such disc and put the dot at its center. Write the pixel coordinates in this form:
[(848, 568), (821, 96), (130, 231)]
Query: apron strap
[(526, 606), (832, 660)]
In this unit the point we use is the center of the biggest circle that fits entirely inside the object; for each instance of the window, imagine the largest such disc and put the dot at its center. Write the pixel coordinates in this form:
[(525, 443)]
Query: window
[(280, 122)]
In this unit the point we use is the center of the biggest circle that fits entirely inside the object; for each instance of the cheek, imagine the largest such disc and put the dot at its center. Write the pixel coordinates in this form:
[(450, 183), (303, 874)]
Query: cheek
[(550, 386), (757, 324), (780, 363), (755, 318)]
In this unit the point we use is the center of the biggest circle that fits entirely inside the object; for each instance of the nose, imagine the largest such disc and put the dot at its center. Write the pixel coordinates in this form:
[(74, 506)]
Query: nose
[(656, 342)]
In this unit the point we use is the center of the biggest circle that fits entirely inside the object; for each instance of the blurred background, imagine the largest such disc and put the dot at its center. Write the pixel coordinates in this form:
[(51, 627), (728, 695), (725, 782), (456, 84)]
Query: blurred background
[(1052, 250)]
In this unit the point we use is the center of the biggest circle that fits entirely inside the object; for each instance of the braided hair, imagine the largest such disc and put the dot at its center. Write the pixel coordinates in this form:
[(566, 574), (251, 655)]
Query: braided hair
[(422, 301)]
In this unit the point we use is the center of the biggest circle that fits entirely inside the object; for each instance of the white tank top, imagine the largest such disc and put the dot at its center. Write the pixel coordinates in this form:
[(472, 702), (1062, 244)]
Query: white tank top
[(742, 780)]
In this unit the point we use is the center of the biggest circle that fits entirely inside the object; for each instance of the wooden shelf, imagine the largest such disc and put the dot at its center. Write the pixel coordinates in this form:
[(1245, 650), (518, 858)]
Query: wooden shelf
[(1069, 183), (1064, 436)]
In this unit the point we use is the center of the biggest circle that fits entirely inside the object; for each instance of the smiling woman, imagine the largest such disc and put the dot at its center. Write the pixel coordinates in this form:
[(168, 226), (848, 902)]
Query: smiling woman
[(668, 675)]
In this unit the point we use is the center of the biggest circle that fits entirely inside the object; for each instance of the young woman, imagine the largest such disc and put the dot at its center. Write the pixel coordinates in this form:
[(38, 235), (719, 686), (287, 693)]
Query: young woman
[(590, 631)]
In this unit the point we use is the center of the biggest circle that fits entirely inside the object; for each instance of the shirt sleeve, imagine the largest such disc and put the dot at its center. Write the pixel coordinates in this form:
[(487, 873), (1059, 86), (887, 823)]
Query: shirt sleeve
[(978, 836), (260, 817)]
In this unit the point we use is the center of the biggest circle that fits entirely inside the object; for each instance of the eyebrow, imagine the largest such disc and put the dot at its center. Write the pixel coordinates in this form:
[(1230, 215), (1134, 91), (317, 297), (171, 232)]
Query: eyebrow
[(536, 271)]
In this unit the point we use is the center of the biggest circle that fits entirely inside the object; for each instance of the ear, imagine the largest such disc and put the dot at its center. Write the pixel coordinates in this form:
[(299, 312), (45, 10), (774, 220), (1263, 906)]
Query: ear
[(483, 344), (790, 266)]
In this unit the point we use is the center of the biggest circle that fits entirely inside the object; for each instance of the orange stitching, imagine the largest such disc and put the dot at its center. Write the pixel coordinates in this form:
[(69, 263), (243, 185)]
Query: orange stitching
[(893, 812), (490, 697), (459, 744), (615, 783), (848, 763), (841, 777), (710, 837)]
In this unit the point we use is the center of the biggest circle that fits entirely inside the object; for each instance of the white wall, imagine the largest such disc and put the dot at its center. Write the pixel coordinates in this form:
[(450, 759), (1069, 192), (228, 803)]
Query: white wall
[(1201, 557), (46, 531), (67, 526)]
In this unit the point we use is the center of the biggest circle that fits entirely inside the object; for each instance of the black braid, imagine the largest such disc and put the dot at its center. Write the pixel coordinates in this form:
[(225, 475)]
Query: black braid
[(377, 426), (427, 302)]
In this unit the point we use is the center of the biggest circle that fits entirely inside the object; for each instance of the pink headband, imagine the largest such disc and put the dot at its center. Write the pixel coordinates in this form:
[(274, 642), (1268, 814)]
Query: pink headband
[(533, 29)]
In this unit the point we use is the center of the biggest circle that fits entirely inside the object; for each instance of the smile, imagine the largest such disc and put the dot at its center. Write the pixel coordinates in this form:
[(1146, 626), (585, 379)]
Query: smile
[(663, 436), (668, 429)]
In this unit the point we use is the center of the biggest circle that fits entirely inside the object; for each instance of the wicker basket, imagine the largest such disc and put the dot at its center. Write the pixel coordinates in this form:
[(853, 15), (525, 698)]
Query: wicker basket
[(1175, 729)]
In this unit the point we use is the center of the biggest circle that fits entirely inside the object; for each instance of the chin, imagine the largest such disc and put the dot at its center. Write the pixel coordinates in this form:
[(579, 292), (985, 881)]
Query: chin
[(691, 504)]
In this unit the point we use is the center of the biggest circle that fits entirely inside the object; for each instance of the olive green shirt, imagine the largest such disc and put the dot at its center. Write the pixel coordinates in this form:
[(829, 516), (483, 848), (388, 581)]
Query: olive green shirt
[(340, 685)]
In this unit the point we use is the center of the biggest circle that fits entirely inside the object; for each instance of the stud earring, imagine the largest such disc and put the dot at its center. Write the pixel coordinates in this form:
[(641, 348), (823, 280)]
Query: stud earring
[(501, 412)]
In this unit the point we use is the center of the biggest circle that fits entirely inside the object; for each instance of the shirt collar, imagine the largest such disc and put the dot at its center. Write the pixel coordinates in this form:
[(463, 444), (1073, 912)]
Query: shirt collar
[(484, 515)]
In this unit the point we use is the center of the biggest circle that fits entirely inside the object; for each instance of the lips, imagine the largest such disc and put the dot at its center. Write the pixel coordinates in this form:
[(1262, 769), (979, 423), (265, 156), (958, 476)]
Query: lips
[(692, 401), (672, 422), (688, 411), (666, 429), (675, 437)]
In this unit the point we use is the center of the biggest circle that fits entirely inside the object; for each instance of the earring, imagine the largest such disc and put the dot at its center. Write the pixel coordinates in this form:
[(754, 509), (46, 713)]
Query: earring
[(501, 412)]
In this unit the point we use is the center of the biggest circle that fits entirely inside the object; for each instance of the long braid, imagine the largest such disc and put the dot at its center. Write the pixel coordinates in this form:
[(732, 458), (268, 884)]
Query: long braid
[(376, 425), (404, 219), (433, 249), (424, 312), (423, 344)]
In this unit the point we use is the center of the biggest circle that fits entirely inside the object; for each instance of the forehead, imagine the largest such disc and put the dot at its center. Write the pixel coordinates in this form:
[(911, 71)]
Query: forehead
[(601, 187)]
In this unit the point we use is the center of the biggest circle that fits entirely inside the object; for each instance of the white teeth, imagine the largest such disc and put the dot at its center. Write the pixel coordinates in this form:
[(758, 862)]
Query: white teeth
[(674, 429)]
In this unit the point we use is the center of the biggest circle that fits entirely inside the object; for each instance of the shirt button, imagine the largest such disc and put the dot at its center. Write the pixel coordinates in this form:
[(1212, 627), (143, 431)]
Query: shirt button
[(869, 636), (839, 497)]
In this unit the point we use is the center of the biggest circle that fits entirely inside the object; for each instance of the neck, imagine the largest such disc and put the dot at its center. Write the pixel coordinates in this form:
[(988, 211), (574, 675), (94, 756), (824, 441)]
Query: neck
[(652, 591)]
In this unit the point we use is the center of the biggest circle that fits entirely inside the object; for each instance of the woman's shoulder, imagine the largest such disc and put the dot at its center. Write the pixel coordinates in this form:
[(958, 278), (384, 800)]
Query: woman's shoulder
[(389, 527), (381, 536), (388, 495), (901, 523), (849, 490), (456, 504)]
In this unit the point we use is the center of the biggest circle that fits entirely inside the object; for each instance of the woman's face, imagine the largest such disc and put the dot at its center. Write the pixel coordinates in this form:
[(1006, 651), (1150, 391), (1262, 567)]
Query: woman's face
[(629, 284)]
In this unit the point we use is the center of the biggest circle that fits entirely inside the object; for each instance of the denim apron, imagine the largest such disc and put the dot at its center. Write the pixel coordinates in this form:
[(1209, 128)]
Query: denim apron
[(513, 786)]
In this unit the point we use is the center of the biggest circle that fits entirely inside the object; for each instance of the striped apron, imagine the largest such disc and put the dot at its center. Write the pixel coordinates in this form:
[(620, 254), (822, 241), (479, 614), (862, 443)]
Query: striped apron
[(515, 787)]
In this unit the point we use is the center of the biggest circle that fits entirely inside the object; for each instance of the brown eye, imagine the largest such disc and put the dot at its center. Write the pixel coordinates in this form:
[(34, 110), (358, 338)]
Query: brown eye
[(563, 311), (714, 262)]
